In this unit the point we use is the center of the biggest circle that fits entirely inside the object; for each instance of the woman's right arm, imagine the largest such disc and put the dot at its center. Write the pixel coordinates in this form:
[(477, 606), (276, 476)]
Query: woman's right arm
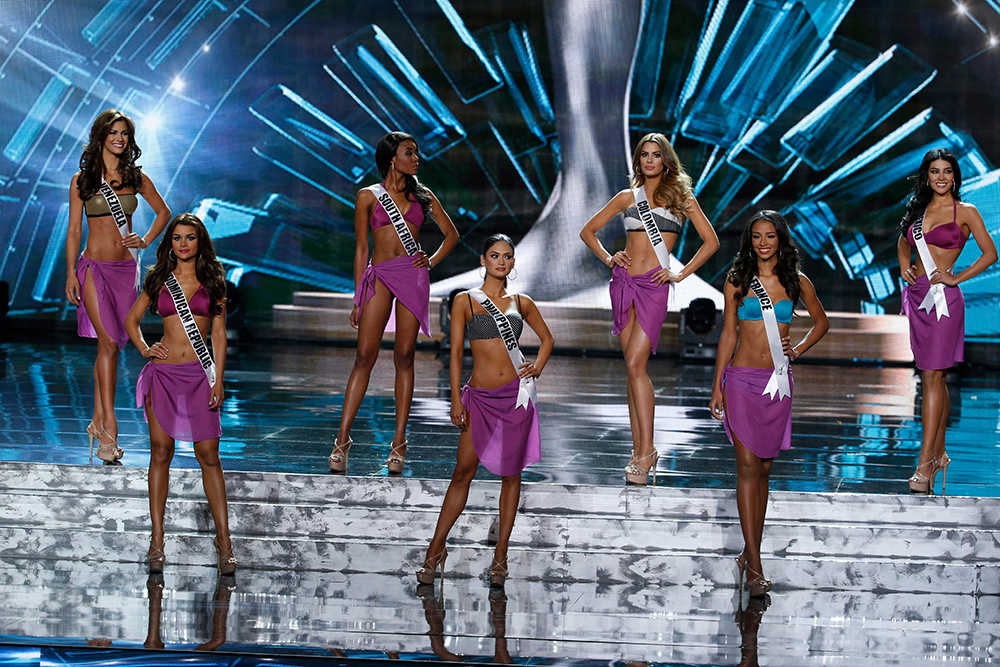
[(73, 235), (589, 232), (460, 313), (139, 308), (905, 255), (362, 214), (727, 345)]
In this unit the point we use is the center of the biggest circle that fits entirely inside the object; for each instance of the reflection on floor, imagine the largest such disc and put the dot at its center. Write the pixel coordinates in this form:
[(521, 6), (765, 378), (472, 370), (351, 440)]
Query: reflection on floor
[(856, 428)]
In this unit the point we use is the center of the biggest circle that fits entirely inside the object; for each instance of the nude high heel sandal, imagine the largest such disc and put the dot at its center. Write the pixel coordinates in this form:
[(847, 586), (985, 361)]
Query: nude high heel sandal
[(93, 433), (109, 452), (921, 483), (338, 457), (498, 573), (397, 457), (426, 572), (636, 475), (941, 465), (227, 559)]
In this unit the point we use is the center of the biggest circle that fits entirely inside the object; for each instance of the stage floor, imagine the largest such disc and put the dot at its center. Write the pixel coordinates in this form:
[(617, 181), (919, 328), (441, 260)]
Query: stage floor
[(855, 428)]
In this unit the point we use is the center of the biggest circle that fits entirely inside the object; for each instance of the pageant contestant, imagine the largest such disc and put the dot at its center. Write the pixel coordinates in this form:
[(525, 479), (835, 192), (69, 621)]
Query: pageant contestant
[(497, 411), (103, 281), (654, 211), (752, 393), (937, 225), (181, 386), (395, 209)]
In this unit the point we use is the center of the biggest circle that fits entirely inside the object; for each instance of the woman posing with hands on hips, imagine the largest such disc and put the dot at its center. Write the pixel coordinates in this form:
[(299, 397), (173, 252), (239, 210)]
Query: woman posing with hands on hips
[(937, 225), (497, 411), (103, 281), (394, 210), (654, 211), (752, 393), (181, 388)]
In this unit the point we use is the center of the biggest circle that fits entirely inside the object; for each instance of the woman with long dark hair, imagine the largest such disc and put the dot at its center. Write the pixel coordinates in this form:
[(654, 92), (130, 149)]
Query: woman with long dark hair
[(653, 210), (937, 225), (752, 393), (399, 270), (497, 411), (103, 281), (181, 388)]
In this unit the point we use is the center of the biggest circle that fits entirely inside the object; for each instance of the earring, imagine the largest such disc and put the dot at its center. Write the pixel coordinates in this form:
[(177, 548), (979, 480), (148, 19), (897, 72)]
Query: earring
[(513, 274), (171, 256), (482, 272), (953, 186)]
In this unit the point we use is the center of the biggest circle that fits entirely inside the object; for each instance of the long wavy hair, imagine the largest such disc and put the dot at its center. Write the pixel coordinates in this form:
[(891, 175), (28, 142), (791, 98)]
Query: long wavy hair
[(207, 267), (384, 152), (92, 164), (745, 265), (674, 190), (922, 192)]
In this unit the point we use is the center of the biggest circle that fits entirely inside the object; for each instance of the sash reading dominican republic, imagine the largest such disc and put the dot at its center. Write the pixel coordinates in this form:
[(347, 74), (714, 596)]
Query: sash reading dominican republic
[(121, 220), (778, 383), (526, 391), (410, 244), (652, 231), (935, 297), (190, 327)]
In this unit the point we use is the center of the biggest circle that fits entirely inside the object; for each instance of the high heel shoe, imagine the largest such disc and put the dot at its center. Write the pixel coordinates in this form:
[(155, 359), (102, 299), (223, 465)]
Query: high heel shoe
[(425, 574), (155, 558), (498, 573), (741, 563), (758, 585), (395, 462), (227, 560), (941, 465), (109, 452), (922, 483), (338, 457), (636, 475), (92, 433)]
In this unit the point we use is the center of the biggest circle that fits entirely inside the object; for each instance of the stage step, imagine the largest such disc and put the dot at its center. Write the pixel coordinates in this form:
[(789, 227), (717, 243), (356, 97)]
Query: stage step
[(565, 533)]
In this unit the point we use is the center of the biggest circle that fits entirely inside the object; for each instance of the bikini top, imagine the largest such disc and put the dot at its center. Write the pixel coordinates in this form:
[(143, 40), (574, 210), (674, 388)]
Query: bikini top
[(948, 236), (97, 206), (664, 219), (200, 303), (414, 215), (750, 310), (482, 326)]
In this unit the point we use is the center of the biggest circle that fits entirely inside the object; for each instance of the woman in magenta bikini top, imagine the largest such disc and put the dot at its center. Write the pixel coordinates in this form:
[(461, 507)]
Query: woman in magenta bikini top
[(932, 301)]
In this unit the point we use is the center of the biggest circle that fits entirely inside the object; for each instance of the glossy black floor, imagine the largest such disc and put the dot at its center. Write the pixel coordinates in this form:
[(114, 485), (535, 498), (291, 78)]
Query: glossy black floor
[(855, 427)]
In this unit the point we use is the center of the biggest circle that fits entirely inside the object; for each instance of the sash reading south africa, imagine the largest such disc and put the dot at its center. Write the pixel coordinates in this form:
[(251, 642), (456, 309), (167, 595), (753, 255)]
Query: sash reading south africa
[(396, 218), (526, 391), (778, 383), (121, 220), (190, 327), (935, 295), (652, 231)]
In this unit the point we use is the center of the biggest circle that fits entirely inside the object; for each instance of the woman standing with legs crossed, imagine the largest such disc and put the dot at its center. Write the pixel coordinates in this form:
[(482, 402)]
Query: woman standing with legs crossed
[(394, 210), (752, 393), (497, 411), (654, 212)]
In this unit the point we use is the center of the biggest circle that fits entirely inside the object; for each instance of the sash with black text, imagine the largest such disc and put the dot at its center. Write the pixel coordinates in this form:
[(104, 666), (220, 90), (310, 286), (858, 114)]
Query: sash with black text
[(526, 391), (410, 244), (778, 382), (190, 327)]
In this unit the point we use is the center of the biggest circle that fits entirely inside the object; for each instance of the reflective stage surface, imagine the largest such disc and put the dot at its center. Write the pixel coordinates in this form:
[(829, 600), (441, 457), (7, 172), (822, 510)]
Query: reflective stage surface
[(855, 428)]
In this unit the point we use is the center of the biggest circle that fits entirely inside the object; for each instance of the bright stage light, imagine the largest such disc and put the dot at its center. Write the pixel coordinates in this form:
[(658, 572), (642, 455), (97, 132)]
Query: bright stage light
[(961, 8), (177, 84), (205, 48), (151, 123), (994, 40)]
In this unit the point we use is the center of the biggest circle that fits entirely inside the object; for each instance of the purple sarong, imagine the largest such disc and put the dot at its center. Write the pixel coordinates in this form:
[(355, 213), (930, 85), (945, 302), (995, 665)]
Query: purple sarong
[(649, 298), (410, 285), (762, 424), (116, 293), (936, 344), (179, 397), (506, 439)]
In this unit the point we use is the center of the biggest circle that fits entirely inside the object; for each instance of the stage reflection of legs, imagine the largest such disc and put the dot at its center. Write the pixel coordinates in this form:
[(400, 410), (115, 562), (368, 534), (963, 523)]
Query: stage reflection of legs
[(434, 614), (498, 624), (748, 621), (224, 587)]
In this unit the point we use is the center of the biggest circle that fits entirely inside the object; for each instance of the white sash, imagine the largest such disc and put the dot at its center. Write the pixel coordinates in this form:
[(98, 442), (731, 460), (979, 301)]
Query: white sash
[(526, 392), (778, 383), (410, 244), (935, 297), (652, 231), (190, 327), (121, 220)]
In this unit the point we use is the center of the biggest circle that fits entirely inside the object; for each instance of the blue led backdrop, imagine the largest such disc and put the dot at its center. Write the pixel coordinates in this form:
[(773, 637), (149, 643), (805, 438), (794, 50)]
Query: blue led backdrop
[(262, 118)]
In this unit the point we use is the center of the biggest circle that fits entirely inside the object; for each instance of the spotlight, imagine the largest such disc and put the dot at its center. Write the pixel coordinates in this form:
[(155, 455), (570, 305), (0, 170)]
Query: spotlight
[(205, 48), (994, 40), (700, 329), (177, 84), (961, 8)]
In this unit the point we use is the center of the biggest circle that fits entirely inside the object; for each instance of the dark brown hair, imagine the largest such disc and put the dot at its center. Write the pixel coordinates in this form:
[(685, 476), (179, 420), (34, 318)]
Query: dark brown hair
[(207, 267), (92, 164)]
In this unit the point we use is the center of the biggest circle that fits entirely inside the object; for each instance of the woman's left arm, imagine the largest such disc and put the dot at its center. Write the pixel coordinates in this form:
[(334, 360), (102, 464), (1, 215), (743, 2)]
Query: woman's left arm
[(534, 319), (445, 224), (709, 242), (219, 354), (821, 323), (988, 249), (160, 208)]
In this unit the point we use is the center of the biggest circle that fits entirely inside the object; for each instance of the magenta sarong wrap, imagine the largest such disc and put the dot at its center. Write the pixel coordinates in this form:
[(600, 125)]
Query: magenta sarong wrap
[(116, 293), (179, 396), (762, 424), (936, 344), (649, 298), (411, 285), (506, 439)]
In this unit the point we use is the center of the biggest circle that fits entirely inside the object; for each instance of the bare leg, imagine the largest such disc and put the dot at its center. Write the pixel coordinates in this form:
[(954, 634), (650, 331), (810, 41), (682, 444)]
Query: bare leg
[(161, 453), (106, 365), (939, 448), (207, 453), (510, 498), (624, 338), (458, 494), (750, 475), (933, 416), (98, 419), (407, 327), (636, 360)]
